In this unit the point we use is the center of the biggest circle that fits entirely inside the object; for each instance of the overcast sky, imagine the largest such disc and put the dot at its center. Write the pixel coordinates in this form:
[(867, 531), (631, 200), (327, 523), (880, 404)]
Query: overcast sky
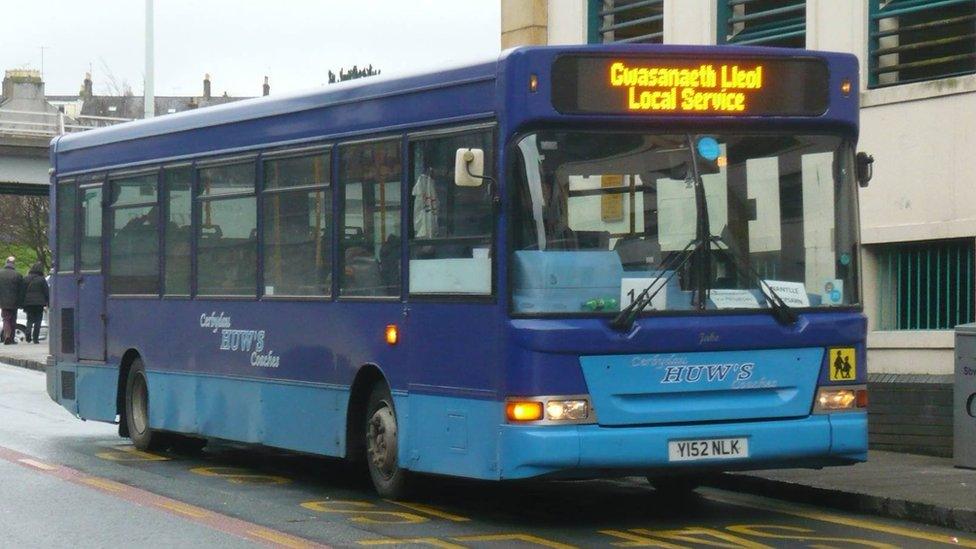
[(294, 42)]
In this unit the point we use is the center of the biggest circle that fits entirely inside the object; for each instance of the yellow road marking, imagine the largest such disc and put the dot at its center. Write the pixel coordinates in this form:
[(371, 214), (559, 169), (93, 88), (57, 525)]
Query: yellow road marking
[(104, 484), (37, 464), (278, 538), (236, 475), (433, 542), (429, 510), (527, 538), (130, 453), (804, 512), (183, 509), (637, 541)]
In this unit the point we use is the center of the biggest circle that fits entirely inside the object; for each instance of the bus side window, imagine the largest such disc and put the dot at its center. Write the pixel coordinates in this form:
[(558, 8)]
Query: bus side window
[(134, 237), (450, 225), (67, 198), (227, 238), (298, 226), (370, 238), (178, 233)]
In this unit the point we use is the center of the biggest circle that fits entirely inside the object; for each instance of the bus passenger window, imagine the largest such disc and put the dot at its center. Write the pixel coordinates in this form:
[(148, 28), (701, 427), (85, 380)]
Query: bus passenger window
[(66, 196), (134, 237), (450, 226), (227, 236), (178, 234), (370, 231), (91, 228), (298, 226)]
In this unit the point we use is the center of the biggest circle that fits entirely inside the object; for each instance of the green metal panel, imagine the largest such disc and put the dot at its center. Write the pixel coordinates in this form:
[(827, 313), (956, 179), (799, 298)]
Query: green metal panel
[(593, 21), (926, 285), (932, 39), (768, 23)]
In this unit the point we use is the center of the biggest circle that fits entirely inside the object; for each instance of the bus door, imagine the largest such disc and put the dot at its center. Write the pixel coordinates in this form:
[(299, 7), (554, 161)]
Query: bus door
[(90, 315)]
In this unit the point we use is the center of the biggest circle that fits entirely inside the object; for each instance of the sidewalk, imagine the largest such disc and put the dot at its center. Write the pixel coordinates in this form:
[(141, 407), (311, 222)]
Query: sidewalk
[(903, 486), (25, 355)]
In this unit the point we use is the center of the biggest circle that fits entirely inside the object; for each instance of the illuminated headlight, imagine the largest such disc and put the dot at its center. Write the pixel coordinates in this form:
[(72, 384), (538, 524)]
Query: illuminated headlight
[(567, 410), (831, 399), (549, 410)]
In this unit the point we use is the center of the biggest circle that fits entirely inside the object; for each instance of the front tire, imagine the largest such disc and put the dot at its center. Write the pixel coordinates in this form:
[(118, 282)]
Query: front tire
[(382, 444), (137, 409)]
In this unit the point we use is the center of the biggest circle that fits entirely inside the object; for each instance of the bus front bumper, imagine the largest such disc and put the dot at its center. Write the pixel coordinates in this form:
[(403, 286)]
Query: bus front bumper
[(592, 450)]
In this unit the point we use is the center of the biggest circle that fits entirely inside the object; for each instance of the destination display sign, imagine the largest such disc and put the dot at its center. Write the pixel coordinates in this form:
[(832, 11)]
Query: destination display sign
[(684, 86)]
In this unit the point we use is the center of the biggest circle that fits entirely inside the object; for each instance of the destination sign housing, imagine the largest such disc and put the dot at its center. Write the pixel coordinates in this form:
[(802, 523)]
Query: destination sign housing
[(683, 86)]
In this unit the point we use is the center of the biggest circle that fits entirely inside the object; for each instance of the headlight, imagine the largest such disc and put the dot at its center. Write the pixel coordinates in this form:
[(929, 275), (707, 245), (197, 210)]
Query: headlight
[(833, 399), (549, 410)]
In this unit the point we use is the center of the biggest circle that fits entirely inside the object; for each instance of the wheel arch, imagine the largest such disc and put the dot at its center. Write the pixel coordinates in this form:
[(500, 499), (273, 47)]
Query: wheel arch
[(366, 378)]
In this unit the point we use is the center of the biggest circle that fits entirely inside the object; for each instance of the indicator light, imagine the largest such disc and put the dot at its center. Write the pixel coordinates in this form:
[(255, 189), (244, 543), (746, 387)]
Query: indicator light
[(722, 161), (392, 334), (862, 398), (518, 410), (533, 83), (845, 87)]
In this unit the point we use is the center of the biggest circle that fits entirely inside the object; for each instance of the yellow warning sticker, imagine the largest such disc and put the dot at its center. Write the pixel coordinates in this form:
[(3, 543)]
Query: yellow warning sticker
[(843, 364)]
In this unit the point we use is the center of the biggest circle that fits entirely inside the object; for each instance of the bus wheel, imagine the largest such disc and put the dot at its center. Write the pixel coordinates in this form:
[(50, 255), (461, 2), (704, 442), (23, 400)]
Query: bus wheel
[(382, 445), (674, 486), (137, 409)]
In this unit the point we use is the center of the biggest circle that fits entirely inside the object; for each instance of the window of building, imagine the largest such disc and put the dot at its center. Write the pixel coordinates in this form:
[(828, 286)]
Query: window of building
[(370, 176), (178, 233), (227, 234), (66, 197), (921, 40), (297, 226), (925, 285), (134, 238), (621, 21), (450, 226), (763, 23), (91, 228)]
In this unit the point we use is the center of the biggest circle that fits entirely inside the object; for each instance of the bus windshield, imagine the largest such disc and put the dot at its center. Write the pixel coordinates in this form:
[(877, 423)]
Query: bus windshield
[(599, 217)]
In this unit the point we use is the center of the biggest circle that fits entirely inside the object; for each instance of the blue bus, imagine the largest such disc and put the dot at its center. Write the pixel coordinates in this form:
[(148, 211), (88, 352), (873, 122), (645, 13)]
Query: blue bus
[(567, 262)]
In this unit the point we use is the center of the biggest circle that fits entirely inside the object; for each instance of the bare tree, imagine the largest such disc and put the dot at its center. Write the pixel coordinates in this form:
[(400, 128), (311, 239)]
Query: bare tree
[(24, 220)]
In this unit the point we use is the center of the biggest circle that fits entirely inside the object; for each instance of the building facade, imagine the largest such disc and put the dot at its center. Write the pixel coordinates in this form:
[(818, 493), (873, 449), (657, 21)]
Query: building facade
[(918, 120)]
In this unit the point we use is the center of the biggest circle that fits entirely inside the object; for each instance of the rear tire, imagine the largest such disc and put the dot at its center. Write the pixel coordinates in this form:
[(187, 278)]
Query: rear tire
[(382, 445), (137, 409)]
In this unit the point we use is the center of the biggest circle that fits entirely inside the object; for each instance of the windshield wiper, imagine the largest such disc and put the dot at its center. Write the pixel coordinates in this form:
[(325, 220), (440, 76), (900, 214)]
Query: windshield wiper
[(783, 313), (672, 265)]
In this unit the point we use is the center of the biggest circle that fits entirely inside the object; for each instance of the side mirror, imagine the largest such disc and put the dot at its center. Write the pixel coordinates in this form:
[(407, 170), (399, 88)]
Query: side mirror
[(864, 168), (469, 167)]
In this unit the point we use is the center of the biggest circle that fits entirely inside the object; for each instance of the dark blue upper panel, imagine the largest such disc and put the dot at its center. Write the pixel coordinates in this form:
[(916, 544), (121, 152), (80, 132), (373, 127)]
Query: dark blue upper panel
[(377, 105)]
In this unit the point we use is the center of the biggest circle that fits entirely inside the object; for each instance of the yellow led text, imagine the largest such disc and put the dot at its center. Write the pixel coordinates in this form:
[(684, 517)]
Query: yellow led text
[(706, 88)]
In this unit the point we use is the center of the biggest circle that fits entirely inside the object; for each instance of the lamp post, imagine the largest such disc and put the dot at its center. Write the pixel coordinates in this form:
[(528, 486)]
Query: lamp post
[(149, 106)]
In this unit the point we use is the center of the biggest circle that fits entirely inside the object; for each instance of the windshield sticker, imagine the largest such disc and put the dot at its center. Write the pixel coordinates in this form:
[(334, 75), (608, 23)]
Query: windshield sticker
[(251, 342), (733, 299), (793, 294)]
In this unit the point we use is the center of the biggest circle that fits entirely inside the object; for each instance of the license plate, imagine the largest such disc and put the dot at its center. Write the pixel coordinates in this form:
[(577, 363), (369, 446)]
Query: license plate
[(711, 448)]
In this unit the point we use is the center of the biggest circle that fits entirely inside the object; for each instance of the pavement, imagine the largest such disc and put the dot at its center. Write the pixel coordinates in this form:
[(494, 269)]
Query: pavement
[(25, 355), (891, 484), (901, 486)]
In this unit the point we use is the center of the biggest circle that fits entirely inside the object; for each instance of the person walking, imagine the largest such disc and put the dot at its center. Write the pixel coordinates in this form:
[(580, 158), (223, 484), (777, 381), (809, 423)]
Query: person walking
[(11, 293), (36, 295)]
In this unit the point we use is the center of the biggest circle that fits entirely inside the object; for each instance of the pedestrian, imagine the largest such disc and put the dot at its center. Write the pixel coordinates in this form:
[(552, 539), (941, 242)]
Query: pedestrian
[(11, 293), (36, 295)]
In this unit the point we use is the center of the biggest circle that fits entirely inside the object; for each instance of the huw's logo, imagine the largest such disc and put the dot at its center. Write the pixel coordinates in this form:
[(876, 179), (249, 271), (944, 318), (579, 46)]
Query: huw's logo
[(694, 373)]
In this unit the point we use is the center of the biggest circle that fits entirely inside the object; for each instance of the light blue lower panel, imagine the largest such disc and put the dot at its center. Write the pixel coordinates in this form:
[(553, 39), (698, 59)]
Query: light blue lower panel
[(95, 391), (532, 451), (450, 435), (298, 417), (849, 435)]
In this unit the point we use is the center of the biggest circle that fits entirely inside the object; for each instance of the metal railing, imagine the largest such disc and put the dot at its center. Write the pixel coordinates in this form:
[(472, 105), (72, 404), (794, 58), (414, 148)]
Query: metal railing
[(50, 124)]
